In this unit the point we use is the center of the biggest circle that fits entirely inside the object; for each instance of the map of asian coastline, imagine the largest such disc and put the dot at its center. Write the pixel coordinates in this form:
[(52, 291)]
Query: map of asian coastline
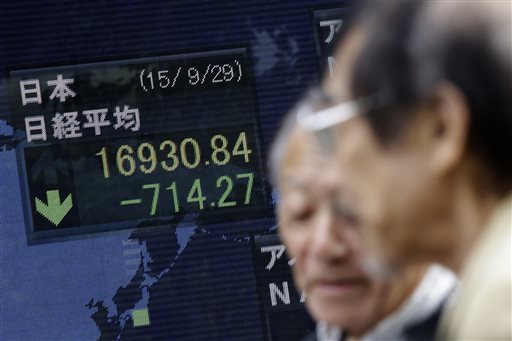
[(115, 286)]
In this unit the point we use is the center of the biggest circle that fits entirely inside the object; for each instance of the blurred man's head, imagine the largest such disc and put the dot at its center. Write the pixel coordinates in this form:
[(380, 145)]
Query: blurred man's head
[(325, 242), (424, 167)]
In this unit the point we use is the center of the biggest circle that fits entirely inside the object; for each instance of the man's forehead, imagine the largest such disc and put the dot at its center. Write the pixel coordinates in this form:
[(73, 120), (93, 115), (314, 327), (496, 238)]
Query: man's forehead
[(304, 160), (302, 148)]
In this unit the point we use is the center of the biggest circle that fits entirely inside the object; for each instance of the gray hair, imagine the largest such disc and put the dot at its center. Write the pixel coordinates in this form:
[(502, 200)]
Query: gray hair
[(315, 99), (279, 145)]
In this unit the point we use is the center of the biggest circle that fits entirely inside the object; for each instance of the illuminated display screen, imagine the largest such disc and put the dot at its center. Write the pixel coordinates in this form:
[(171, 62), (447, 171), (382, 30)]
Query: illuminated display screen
[(200, 173), (139, 141), (134, 197)]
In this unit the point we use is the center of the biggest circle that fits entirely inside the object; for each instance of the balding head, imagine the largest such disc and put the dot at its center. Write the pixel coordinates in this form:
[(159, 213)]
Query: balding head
[(413, 48), (444, 27)]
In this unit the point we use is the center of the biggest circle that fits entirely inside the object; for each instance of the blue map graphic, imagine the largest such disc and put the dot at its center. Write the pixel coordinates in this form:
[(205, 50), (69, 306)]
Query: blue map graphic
[(196, 281), (192, 281)]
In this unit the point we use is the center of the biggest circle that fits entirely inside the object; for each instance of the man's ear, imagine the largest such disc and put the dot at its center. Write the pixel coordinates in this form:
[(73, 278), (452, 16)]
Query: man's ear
[(447, 128)]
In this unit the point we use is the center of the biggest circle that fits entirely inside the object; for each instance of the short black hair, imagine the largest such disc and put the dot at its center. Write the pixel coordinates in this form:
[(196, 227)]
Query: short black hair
[(407, 54)]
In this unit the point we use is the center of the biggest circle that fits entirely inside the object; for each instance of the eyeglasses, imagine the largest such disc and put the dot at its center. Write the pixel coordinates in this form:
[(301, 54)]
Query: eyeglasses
[(312, 120), (319, 121)]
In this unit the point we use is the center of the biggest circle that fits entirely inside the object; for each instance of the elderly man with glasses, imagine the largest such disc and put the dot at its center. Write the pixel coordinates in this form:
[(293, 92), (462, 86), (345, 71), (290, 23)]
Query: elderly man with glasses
[(424, 142), (325, 240), (325, 243)]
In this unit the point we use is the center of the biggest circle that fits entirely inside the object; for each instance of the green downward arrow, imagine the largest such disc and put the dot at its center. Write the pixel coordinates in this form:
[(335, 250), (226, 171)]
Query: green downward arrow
[(54, 211)]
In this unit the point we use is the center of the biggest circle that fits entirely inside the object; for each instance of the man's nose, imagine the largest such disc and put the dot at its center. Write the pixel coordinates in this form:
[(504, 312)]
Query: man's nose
[(326, 240)]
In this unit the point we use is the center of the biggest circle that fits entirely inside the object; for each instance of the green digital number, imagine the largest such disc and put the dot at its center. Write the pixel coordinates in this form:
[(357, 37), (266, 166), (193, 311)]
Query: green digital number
[(229, 187), (174, 192), (198, 196), (156, 191), (250, 181)]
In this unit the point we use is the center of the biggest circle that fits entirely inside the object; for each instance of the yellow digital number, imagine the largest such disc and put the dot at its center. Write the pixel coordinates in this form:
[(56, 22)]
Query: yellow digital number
[(104, 162), (171, 155), (125, 161), (183, 151), (240, 147), (147, 154), (219, 149)]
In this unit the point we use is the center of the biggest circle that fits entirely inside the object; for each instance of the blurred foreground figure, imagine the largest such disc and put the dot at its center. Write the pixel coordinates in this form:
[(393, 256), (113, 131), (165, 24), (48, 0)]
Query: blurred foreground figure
[(325, 243), (424, 140)]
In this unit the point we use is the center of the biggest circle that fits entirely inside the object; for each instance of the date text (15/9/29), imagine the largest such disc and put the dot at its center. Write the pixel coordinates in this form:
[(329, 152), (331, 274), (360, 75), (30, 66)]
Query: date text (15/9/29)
[(228, 72)]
